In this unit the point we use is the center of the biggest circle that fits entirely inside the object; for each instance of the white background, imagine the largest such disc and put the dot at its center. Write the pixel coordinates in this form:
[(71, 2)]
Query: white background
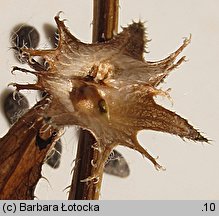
[(192, 168)]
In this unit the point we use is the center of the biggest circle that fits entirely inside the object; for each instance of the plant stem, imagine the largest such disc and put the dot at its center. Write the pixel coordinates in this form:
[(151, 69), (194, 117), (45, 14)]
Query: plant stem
[(105, 25), (105, 19)]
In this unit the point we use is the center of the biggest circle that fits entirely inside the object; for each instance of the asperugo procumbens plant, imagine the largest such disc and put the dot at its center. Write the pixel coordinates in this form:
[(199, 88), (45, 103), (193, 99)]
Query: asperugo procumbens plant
[(107, 88)]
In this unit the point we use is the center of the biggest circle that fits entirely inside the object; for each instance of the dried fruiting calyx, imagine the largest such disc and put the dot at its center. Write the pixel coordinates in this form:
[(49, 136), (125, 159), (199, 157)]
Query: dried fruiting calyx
[(107, 88)]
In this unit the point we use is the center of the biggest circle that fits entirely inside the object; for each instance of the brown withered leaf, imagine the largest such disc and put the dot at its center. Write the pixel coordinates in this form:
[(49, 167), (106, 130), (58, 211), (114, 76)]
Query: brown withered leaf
[(108, 89), (23, 153)]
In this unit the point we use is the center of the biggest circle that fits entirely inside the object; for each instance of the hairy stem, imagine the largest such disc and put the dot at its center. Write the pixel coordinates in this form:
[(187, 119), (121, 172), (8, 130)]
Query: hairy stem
[(105, 24)]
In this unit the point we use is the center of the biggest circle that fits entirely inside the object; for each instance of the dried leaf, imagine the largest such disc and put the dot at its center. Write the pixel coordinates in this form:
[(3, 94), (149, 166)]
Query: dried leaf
[(21, 158)]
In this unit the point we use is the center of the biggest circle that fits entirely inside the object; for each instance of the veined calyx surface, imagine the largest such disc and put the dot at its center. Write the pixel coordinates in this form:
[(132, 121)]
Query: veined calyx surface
[(107, 88)]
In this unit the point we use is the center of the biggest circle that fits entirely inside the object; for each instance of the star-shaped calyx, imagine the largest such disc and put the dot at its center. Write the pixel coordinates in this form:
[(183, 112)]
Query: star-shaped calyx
[(107, 88)]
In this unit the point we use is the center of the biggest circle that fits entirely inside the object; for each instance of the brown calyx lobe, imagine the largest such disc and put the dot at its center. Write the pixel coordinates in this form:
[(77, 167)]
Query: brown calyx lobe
[(115, 106)]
